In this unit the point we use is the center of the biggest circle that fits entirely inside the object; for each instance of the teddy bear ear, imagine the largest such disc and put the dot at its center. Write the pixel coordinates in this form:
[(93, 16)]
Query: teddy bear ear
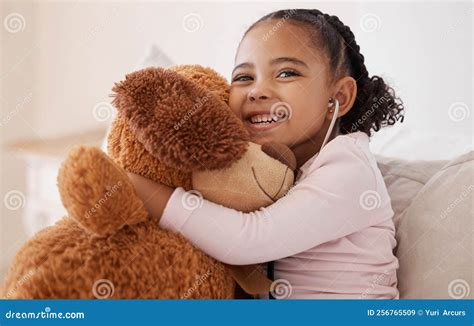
[(179, 122), (207, 78)]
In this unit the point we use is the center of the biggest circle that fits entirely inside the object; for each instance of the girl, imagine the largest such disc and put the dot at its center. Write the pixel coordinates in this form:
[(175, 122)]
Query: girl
[(332, 235)]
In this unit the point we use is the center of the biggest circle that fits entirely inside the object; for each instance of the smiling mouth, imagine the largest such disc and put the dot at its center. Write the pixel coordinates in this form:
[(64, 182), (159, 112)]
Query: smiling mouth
[(256, 127), (266, 118)]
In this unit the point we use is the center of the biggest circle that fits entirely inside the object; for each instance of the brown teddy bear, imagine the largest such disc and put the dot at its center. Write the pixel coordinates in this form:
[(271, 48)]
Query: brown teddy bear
[(172, 126)]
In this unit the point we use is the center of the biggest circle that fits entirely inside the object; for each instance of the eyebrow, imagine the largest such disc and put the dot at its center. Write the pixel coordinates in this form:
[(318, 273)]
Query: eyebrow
[(273, 62)]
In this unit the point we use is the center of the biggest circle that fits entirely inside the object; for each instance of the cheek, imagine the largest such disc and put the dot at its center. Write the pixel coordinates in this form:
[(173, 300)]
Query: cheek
[(308, 113), (304, 105), (236, 100)]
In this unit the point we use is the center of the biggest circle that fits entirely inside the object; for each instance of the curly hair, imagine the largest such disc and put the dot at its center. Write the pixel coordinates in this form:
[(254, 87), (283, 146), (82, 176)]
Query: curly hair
[(376, 104)]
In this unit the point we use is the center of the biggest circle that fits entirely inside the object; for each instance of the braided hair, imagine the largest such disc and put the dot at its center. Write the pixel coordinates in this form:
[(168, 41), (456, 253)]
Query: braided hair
[(376, 105)]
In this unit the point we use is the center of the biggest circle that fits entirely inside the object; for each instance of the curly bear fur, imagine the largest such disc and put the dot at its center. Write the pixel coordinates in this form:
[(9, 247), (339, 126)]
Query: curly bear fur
[(171, 124)]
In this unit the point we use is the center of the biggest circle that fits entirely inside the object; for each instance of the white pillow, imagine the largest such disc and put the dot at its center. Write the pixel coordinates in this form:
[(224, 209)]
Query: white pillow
[(435, 235), (154, 57), (404, 179)]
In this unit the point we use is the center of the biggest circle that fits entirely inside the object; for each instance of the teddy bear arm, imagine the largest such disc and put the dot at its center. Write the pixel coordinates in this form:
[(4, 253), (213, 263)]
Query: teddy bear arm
[(97, 193)]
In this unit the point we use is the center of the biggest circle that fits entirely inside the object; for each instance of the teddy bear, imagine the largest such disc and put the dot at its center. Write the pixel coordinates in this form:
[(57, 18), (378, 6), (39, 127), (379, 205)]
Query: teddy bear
[(172, 126)]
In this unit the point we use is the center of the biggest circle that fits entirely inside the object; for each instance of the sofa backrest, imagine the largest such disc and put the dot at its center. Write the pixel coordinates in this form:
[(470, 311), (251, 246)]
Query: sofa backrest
[(433, 205)]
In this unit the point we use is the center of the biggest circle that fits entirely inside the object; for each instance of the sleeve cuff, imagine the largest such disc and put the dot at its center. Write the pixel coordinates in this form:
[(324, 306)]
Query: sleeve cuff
[(175, 213)]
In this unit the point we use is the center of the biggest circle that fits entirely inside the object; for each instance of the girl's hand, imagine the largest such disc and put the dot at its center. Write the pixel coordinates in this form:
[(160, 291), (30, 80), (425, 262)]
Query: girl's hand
[(153, 194)]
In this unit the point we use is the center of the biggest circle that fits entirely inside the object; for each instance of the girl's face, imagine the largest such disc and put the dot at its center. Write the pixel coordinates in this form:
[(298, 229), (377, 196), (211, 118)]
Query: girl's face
[(280, 73)]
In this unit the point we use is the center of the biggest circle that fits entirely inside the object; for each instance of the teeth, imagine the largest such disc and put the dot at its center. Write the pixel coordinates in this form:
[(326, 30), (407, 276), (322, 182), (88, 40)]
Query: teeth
[(264, 118)]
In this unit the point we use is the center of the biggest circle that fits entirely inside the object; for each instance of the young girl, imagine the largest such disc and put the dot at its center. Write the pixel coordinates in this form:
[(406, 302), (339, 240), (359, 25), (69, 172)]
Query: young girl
[(332, 235)]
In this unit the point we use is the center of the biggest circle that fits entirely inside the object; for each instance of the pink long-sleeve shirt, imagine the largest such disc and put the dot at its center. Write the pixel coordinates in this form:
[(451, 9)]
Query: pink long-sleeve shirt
[(331, 236)]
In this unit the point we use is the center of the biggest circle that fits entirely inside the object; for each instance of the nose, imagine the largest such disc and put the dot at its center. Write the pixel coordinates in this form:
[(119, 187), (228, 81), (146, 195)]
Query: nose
[(258, 93), (252, 97), (281, 153)]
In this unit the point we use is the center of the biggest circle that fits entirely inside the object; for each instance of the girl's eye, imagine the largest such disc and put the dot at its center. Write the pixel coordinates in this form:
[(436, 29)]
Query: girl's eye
[(284, 74), (242, 78), (289, 73)]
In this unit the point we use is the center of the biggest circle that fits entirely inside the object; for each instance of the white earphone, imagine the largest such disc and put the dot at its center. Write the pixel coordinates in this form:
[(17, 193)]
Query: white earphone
[(333, 103)]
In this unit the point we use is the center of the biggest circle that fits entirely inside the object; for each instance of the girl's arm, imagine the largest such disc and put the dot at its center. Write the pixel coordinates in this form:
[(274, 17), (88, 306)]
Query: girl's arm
[(154, 195), (325, 205)]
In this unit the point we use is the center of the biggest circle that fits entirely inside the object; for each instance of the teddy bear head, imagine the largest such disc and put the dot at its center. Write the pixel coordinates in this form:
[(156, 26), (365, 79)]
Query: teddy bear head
[(174, 126)]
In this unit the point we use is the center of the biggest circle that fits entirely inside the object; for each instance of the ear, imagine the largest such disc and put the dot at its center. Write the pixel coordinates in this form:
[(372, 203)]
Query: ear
[(207, 78), (182, 124), (345, 91)]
